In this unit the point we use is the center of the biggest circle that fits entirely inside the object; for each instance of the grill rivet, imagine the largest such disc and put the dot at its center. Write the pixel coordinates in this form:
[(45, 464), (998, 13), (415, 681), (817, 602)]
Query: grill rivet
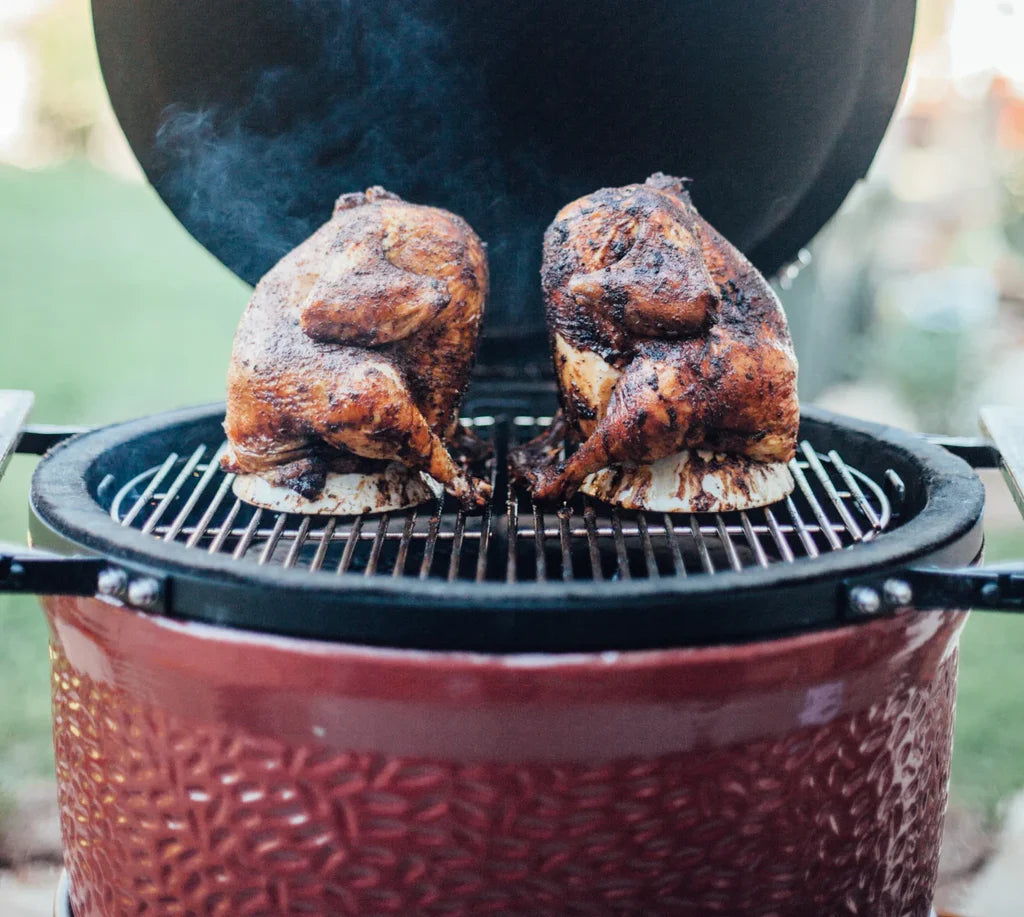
[(144, 592), (990, 592), (112, 582), (865, 601), (897, 593)]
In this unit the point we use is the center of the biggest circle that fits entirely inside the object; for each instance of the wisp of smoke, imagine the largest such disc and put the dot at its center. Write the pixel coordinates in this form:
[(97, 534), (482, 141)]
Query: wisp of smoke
[(384, 95)]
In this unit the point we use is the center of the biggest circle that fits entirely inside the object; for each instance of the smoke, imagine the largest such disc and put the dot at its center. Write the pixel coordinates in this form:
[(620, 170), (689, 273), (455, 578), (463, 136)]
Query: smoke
[(366, 93)]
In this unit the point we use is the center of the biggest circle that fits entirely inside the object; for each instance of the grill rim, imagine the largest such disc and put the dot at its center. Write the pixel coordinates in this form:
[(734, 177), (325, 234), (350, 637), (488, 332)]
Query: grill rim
[(580, 614)]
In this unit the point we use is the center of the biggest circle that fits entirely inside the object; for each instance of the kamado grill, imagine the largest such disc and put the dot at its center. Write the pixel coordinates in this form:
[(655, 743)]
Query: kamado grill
[(525, 710)]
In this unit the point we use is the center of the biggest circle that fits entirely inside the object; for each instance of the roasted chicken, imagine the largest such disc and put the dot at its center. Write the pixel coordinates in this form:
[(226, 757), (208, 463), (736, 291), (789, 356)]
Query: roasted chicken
[(358, 346), (665, 339)]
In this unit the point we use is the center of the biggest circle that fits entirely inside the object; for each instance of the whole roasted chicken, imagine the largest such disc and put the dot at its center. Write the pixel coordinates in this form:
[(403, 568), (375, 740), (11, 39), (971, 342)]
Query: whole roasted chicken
[(674, 362), (356, 349)]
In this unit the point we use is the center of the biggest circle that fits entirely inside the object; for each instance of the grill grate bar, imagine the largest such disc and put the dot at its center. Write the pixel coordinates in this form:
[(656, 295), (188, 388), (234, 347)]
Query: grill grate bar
[(648, 548), (512, 524), (824, 523), (208, 472), (225, 529), (298, 543), (351, 540), (431, 544), (326, 536), (565, 541), (187, 500), (600, 531), (486, 521), (590, 524), (678, 563), (204, 523), (826, 482), (540, 555), (806, 539), (781, 542), (858, 494), (275, 537), (754, 541), (485, 543), (378, 541), (403, 545), (730, 548), (172, 492), (550, 531), (247, 538), (146, 494), (702, 546), (456, 556), (621, 557)]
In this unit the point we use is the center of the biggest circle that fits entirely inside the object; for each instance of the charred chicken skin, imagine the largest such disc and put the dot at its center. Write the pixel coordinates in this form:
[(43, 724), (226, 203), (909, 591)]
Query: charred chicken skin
[(357, 346), (665, 338)]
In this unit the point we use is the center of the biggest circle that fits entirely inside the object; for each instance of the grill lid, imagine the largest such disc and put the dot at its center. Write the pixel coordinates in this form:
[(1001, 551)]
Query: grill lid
[(250, 117)]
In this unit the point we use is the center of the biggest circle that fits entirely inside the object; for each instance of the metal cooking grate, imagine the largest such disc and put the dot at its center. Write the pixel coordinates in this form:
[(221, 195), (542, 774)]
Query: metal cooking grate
[(188, 500)]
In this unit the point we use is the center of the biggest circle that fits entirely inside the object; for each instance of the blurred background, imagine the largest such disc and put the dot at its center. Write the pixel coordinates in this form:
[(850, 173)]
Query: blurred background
[(908, 308)]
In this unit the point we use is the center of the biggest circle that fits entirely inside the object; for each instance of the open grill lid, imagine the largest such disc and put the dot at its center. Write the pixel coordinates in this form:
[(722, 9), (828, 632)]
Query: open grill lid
[(250, 117)]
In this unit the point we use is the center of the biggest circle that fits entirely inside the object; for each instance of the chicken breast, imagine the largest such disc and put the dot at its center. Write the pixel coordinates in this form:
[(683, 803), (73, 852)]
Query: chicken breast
[(356, 349)]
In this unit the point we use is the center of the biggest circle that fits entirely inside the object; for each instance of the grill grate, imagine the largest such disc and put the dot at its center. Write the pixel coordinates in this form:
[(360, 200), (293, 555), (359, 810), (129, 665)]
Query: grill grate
[(187, 499)]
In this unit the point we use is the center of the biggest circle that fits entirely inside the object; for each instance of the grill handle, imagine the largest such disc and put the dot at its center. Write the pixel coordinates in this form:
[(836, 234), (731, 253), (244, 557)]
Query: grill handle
[(28, 570), (980, 588), (14, 408), (1002, 447), (22, 569), (38, 573), (937, 589), (1006, 428)]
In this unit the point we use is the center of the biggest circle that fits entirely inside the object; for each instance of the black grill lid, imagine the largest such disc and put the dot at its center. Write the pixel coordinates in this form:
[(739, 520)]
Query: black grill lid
[(249, 117)]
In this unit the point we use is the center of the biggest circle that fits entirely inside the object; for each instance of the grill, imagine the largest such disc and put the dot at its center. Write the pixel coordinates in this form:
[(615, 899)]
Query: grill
[(527, 710), (187, 499)]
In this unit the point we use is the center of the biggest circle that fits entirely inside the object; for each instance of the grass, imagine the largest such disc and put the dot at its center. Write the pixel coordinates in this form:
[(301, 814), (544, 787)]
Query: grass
[(988, 750), (109, 310)]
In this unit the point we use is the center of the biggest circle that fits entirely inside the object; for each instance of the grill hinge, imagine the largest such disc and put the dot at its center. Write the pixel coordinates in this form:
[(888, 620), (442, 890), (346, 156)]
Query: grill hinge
[(43, 574), (38, 438), (40, 573), (935, 588)]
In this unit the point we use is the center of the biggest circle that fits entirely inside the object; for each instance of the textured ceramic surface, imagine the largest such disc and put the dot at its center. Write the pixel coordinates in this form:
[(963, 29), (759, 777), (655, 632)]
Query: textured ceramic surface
[(203, 771)]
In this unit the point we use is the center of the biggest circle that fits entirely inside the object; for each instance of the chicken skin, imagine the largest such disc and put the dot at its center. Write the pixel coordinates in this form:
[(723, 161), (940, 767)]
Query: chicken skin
[(358, 346), (665, 338)]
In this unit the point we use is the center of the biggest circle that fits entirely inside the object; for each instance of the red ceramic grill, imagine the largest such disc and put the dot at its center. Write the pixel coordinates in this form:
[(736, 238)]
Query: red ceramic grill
[(523, 710)]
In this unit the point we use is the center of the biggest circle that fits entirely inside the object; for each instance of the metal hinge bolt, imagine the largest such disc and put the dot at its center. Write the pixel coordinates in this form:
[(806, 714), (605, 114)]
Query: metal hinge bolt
[(865, 601), (898, 593), (112, 582), (143, 592), (991, 592)]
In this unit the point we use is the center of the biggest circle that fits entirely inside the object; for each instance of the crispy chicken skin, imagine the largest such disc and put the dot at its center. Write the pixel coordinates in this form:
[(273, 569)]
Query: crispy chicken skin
[(665, 338), (358, 344)]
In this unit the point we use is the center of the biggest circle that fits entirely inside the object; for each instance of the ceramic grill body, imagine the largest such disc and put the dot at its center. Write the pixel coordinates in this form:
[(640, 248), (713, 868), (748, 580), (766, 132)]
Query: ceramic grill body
[(205, 771)]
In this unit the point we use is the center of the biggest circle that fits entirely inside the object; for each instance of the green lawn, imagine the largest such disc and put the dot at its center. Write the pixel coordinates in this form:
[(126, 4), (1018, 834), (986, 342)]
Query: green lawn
[(109, 310), (988, 751)]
